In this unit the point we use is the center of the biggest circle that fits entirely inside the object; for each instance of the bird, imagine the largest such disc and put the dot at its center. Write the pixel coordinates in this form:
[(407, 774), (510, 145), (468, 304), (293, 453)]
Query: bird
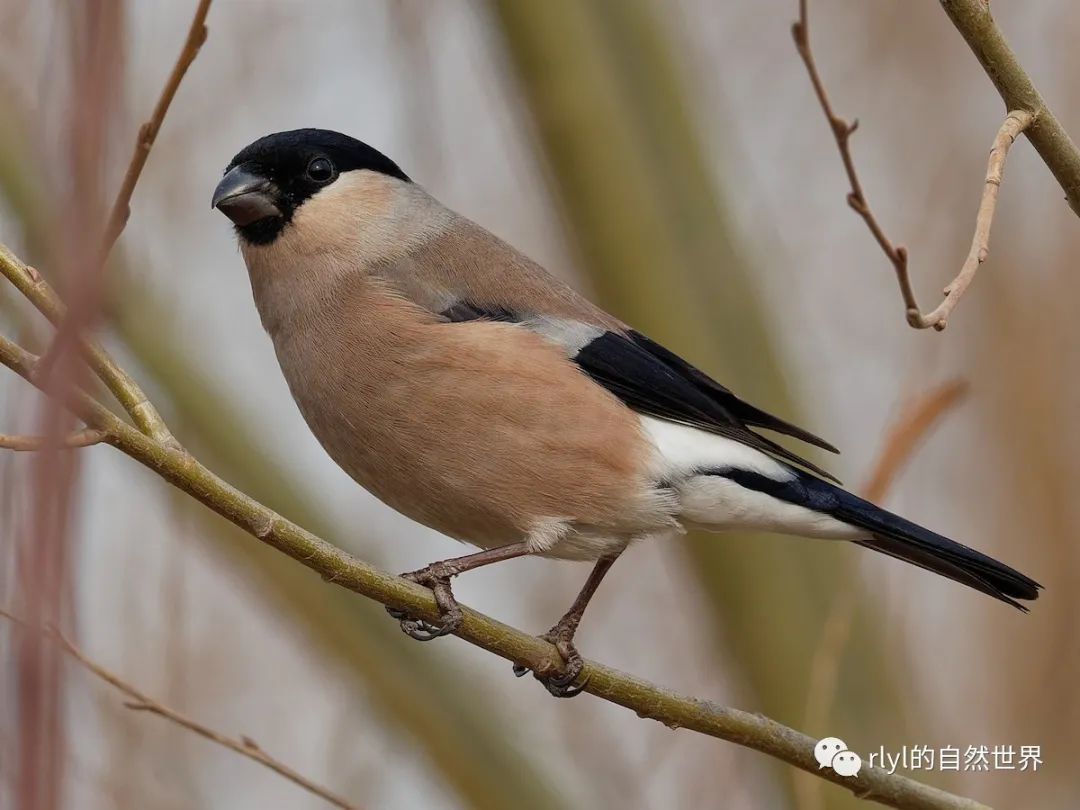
[(469, 389)]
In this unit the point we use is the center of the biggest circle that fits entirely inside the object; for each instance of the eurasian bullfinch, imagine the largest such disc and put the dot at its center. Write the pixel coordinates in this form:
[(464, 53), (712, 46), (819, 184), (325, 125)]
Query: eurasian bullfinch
[(467, 388)]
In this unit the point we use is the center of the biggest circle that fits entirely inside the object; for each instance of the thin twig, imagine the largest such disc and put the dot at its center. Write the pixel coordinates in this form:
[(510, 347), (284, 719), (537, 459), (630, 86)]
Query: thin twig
[(80, 438), (180, 468), (842, 132), (139, 701), (122, 386), (1015, 122), (148, 132), (903, 439)]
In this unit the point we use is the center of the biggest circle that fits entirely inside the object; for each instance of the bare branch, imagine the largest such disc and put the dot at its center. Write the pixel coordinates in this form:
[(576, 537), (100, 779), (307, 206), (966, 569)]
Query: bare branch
[(1016, 121), (975, 23), (148, 132), (139, 701), (68, 328), (80, 438), (173, 463), (842, 132), (29, 282)]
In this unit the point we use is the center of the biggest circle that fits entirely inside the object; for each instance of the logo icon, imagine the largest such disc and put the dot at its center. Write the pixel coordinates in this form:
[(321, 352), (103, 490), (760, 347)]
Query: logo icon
[(832, 752)]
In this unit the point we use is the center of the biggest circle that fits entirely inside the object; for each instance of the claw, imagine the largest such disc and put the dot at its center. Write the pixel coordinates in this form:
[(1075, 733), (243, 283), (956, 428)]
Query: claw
[(448, 607), (562, 685), (425, 631)]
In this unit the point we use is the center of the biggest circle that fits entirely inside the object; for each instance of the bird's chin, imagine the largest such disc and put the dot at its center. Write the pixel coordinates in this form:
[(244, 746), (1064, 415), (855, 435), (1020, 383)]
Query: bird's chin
[(261, 231)]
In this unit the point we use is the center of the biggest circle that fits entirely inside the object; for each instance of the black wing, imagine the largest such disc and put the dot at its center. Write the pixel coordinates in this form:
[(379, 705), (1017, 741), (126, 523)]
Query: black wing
[(654, 381), (743, 411)]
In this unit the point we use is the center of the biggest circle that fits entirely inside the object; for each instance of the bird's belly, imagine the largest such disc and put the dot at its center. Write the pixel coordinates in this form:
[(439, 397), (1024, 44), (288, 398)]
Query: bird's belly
[(408, 476), (485, 449)]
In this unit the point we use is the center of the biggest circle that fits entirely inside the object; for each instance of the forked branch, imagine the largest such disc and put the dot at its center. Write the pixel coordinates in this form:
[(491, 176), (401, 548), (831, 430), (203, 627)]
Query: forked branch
[(976, 25), (121, 385), (1016, 121)]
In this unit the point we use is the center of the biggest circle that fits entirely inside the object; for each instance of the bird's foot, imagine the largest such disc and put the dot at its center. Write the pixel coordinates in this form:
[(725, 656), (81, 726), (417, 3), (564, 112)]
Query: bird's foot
[(436, 577), (561, 684)]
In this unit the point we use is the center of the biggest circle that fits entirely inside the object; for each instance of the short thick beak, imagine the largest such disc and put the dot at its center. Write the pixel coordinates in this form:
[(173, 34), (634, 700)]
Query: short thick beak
[(245, 197)]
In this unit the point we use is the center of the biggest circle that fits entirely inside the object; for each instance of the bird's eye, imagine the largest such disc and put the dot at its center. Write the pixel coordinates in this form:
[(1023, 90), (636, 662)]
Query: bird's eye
[(321, 170)]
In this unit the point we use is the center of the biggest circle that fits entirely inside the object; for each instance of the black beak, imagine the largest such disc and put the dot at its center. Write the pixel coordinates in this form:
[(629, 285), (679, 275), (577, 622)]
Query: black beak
[(245, 197)]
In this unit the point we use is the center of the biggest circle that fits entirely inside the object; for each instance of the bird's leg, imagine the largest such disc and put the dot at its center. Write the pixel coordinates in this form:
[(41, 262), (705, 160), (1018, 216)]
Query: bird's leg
[(437, 577), (562, 636)]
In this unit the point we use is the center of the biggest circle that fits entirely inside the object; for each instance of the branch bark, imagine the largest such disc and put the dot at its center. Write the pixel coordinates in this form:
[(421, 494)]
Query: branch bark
[(121, 385), (1015, 122), (173, 463), (80, 438), (976, 25), (842, 132)]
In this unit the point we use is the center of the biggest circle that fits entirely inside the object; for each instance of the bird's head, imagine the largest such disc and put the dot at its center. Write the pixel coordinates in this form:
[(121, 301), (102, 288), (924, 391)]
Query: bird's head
[(269, 181)]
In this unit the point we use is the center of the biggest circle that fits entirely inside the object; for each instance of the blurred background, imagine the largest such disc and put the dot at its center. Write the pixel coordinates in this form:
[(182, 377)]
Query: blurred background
[(668, 158)]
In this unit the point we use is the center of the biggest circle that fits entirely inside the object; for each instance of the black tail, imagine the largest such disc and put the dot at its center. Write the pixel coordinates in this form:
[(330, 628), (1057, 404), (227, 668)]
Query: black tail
[(892, 535)]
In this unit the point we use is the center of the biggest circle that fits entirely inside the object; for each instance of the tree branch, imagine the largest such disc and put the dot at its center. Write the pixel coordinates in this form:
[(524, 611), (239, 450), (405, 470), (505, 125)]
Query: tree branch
[(144, 141), (29, 282), (80, 438), (1017, 121), (139, 701), (842, 132), (976, 25), (173, 463)]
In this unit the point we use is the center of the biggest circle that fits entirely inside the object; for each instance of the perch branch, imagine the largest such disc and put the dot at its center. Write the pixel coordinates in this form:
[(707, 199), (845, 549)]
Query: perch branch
[(144, 141), (1017, 121), (80, 438), (173, 463), (139, 701)]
